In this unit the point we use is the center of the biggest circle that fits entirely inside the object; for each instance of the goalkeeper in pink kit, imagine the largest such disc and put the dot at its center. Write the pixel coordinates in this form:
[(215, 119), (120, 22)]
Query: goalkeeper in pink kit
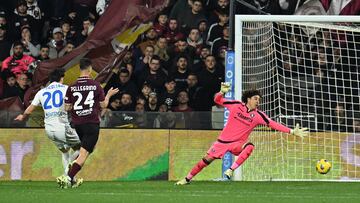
[(243, 118)]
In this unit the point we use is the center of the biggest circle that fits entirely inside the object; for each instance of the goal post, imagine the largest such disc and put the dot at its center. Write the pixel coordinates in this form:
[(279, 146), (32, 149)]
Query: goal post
[(308, 70)]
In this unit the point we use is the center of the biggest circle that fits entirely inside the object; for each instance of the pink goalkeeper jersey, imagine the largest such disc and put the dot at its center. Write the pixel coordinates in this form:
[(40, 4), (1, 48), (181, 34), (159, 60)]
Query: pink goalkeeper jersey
[(241, 121)]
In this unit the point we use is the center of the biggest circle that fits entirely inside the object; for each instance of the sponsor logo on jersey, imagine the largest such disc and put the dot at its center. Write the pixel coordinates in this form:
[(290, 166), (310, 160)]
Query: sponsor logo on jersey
[(84, 112), (55, 114), (243, 117)]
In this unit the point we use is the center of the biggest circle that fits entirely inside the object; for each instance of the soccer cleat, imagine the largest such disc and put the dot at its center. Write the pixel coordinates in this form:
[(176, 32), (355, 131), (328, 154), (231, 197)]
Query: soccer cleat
[(64, 181), (58, 180), (228, 173), (77, 183), (183, 182)]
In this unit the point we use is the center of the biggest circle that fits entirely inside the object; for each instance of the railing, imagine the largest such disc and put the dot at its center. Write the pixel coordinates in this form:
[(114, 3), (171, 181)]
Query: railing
[(117, 119), (180, 120)]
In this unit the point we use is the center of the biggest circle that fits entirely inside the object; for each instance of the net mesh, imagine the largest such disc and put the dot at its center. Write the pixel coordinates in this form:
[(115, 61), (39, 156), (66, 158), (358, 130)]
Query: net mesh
[(308, 74)]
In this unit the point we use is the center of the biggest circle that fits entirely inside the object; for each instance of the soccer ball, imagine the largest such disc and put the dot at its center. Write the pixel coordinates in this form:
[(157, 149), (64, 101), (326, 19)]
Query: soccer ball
[(323, 166)]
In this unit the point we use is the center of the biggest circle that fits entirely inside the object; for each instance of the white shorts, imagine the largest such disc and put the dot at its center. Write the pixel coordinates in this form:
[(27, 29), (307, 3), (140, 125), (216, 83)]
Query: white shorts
[(63, 137)]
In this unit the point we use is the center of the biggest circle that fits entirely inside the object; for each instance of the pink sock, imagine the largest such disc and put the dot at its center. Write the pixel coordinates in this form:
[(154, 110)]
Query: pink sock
[(244, 154), (197, 168)]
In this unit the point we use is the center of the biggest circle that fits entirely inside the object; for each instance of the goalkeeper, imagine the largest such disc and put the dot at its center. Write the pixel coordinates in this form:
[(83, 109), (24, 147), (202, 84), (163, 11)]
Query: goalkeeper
[(243, 118)]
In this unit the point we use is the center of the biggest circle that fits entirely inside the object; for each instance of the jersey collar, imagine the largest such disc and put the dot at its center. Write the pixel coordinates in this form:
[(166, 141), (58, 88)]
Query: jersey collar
[(247, 109), (83, 77)]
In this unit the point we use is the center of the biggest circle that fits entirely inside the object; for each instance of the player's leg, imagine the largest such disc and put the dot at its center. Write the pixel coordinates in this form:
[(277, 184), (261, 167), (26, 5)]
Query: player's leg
[(216, 151), (62, 180), (57, 136), (65, 155), (79, 162), (242, 156), (78, 181), (76, 152), (90, 135), (59, 139), (69, 180), (73, 140), (204, 162)]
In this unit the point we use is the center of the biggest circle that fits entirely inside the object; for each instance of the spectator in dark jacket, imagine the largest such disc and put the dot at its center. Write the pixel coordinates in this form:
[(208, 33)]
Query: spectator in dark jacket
[(168, 96), (5, 44), (180, 73), (220, 42), (191, 16), (153, 75), (122, 82), (210, 78), (172, 33)]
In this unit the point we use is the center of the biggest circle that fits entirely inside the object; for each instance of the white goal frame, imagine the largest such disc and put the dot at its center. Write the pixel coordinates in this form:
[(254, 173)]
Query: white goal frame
[(239, 19)]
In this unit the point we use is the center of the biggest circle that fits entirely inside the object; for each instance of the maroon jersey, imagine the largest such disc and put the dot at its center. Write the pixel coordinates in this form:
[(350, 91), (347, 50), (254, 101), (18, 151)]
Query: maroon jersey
[(85, 96)]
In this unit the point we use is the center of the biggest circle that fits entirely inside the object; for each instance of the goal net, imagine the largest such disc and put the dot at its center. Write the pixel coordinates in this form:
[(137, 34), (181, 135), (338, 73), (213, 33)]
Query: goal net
[(307, 69)]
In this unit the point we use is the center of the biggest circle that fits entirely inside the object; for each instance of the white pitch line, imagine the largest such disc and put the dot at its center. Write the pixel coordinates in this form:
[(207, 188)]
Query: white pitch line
[(192, 194)]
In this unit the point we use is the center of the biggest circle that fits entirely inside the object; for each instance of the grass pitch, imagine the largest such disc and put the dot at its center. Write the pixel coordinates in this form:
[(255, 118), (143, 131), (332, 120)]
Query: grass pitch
[(163, 191)]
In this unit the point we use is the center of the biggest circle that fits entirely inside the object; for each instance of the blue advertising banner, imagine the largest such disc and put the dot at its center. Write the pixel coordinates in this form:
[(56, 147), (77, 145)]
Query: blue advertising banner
[(229, 77)]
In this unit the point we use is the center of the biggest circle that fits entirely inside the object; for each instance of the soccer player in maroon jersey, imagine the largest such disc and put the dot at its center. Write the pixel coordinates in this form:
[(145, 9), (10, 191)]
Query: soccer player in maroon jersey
[(243, 118), (84, 99)]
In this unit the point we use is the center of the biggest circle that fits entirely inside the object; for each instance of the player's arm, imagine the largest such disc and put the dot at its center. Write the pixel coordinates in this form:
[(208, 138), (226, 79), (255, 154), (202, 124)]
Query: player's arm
[(26, 113), (219, 97), (68, 100), (68, 106), (297, 131), (110, 93), (34, 103)]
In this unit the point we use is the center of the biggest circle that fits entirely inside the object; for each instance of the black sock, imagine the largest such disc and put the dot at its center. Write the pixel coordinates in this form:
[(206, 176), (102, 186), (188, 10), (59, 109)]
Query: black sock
[(75, 168)]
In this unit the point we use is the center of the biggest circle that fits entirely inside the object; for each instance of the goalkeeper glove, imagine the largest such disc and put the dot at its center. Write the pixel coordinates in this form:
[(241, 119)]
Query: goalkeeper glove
[(301, 132), (225, 87)]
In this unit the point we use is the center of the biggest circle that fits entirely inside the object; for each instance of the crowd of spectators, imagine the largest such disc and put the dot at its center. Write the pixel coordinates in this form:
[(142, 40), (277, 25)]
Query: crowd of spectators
[(174, 69), (177, 65), (33, 31), (318, 71)]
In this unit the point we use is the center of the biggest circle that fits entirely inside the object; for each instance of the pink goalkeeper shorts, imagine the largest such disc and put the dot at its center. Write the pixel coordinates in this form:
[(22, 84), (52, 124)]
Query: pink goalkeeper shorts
[(218, 149)]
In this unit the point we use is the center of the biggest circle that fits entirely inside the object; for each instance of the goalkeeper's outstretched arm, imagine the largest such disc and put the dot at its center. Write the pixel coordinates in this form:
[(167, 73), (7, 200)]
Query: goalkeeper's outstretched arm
[(297, 131)]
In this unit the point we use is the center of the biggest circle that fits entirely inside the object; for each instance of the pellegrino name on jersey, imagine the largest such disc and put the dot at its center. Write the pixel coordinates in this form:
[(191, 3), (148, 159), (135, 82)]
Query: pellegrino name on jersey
[(83, 88)]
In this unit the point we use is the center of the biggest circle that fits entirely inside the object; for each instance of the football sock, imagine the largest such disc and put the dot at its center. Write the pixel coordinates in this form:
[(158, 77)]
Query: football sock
[(65, 160), (75, 168), (74, 156), (197, 168), (244, 154)]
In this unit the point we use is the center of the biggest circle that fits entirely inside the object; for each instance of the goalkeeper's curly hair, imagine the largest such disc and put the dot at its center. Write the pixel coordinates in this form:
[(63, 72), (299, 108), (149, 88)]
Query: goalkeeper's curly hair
[(248, 94)]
